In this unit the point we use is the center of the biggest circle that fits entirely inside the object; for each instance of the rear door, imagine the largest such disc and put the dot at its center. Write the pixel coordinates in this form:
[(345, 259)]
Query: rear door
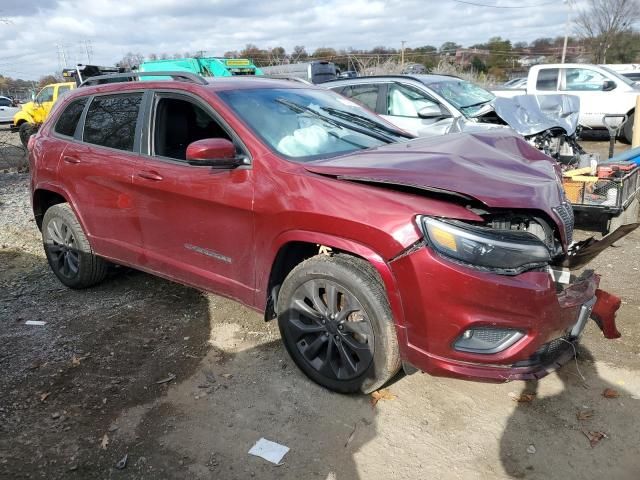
[(197, 223), (595, 102), (96, 169), (7, 110)]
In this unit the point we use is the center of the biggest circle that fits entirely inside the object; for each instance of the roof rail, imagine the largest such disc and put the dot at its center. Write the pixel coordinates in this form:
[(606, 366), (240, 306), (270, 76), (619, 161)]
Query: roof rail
[(130, 76)]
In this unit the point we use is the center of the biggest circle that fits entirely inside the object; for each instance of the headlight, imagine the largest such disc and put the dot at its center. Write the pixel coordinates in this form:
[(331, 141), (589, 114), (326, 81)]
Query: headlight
[(504, 251)]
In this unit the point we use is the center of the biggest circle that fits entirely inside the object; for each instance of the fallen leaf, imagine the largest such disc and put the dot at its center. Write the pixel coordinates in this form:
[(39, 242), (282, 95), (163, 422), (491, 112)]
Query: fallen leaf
[(584, 414), (227, 375), (610, 393), (383, 394), (104, 442), (43, 396), (523, 397), (594, 437), (75, 361)]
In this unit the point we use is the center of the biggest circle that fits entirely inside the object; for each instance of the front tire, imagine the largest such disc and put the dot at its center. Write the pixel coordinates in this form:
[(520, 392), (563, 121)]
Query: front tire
[(336, 324), (68, 251), (25, 130)]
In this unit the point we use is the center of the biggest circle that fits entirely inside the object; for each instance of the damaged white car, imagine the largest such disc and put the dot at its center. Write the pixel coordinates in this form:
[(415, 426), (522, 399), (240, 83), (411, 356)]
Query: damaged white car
[(432, 105)]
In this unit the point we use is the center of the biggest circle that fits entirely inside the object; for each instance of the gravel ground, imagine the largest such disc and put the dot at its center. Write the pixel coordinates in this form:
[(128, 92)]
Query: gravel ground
[(184, 383)]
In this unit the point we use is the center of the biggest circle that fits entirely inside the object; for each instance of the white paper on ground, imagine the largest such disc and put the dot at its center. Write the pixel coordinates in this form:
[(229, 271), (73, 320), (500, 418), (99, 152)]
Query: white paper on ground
[(270, 451), (35, 322)]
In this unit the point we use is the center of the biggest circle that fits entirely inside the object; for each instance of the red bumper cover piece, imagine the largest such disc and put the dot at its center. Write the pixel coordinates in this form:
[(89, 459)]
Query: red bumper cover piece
[(604, 313)]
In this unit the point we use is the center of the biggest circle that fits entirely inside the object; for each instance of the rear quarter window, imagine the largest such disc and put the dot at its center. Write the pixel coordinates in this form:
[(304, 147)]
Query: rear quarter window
[(111, 121), (68, 120)]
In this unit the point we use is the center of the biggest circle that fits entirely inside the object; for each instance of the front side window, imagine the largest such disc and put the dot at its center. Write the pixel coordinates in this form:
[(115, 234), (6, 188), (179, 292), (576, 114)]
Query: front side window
[(309, 124), (407, 102), (366, 95), (583, 79), (66, 124), (111, 121), (547, 79), (63, 89), (45, 95), (180, 122), (465, 96)]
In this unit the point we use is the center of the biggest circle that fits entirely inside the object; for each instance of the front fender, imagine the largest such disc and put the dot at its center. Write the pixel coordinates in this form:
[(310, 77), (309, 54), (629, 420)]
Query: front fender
[(21, 116), (348, 246)]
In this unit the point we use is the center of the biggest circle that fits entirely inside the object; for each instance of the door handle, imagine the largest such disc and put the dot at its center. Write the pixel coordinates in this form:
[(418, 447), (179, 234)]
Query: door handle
[(69, 159), (151, 176)]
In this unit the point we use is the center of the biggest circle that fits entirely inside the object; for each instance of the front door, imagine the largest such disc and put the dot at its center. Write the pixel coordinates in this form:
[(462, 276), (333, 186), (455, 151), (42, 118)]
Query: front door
[(197, 223), (595, 102)]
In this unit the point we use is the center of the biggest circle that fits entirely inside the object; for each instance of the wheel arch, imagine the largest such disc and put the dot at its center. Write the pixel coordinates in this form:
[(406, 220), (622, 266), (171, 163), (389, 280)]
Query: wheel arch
[(45, 197), (294, 247)]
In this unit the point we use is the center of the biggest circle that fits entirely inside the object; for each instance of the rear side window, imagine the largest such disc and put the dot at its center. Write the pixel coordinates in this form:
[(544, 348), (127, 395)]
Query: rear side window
[(111, 121), (366, 95), (70, 117), (5, 102), (547, 79)]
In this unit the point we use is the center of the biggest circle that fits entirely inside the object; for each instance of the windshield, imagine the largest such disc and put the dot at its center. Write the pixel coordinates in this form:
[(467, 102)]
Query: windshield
[(620, 77), (466, 96), (305, 124)]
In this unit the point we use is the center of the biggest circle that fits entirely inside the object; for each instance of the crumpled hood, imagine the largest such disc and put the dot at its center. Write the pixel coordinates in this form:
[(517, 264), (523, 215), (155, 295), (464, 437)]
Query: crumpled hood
[(532, 114), (498, 168)]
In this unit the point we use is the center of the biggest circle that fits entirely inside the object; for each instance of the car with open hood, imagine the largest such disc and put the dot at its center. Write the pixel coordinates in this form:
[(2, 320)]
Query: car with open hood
[(373, 250)]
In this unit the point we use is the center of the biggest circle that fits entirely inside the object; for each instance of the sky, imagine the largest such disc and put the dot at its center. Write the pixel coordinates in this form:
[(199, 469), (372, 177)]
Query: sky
[(33, 31)]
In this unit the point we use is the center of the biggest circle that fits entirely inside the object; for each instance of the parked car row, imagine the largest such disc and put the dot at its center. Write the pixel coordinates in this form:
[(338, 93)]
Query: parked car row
[(374, 250)]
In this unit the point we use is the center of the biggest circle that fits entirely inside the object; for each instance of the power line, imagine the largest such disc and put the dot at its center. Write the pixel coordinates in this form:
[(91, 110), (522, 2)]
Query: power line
[(502, 6)]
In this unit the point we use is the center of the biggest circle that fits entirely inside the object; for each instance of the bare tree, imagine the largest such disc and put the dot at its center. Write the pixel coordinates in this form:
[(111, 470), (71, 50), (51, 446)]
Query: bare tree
[(130, 60), (602, 22)]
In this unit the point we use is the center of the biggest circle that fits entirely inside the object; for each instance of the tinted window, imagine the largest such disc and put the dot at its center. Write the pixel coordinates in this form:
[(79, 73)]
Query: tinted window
[(111, 121), (69, 119), (547, 79), (366, 95), (407, 102), (5, 102)]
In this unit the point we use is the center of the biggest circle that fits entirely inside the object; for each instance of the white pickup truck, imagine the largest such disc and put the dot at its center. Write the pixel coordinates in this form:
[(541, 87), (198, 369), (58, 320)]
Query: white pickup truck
[(602, 91)]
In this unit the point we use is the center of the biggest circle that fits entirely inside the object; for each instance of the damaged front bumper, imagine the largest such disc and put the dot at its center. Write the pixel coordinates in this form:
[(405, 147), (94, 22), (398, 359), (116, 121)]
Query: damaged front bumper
[(548, 311)]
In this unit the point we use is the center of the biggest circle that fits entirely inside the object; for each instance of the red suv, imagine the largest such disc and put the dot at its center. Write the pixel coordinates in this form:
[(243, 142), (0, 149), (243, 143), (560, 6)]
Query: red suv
[(374, 250)]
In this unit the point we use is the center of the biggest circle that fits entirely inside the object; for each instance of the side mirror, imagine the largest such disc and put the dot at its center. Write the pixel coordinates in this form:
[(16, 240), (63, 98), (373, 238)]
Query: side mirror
[(608, 85), (218, 153), (433, 112)]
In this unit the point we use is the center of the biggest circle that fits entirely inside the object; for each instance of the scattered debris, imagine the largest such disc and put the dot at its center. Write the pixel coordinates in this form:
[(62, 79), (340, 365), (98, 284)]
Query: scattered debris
[(584, 414), (44, 396), (271, 451), (169, 378), (75, 360), (122, 463), (351, 435), (227, 375), (105, 442), (38, 323), (523, 397), (531, 449), (610, 393), (55, 415), (594, 437), (383, 394)]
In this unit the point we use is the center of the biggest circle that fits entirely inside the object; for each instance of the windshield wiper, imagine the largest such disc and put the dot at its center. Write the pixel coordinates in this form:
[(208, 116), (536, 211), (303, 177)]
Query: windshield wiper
[(296, 107), (365, 122), (476, 104)]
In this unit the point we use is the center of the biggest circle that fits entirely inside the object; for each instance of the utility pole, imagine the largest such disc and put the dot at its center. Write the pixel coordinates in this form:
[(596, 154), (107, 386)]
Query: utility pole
[(566, 30), (402, 53)]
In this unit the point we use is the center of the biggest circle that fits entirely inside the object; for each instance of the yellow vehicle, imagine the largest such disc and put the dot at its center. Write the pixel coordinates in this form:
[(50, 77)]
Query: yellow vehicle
[(29, 118)]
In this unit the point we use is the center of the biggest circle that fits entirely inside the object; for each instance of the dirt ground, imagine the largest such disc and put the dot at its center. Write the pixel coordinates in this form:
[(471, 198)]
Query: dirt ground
[(182, 384)]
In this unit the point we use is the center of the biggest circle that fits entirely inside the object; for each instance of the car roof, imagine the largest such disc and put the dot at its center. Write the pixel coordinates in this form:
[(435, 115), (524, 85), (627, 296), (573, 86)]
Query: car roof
[(427, 79)]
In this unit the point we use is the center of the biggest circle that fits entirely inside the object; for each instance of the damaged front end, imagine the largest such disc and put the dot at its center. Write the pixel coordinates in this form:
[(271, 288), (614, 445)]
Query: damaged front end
[(547, 122)]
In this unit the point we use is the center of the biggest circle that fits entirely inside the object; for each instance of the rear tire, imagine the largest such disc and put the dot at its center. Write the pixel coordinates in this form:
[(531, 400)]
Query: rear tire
[(627, 131), (336, 324), (68, 251)]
